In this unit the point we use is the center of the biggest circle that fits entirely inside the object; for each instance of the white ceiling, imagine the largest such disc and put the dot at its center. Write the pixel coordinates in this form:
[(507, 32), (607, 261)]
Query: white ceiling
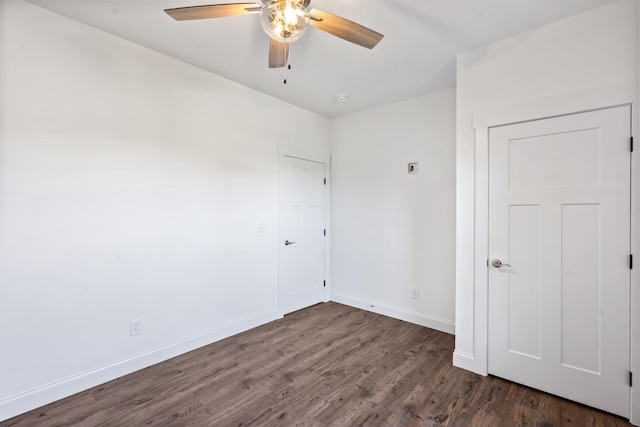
[(417, 55)]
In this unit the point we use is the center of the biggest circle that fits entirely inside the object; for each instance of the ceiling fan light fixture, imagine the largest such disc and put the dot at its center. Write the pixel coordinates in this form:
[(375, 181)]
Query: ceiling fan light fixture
[(284, 20)]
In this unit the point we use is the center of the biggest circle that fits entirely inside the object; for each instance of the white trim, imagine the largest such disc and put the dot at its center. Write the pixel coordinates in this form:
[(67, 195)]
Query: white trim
[(463, 360), (327, 224), (593, 99), (410, 316), (303, 153), (481, 249), (35, 398), (635, 272)]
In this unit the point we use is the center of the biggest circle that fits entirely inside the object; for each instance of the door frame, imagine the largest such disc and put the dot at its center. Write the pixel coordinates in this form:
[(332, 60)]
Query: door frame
[(590, 100), (312, 156)]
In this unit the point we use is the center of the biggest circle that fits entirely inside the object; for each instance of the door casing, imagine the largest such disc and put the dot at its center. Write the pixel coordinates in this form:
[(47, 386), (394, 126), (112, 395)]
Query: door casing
[(608, 97)]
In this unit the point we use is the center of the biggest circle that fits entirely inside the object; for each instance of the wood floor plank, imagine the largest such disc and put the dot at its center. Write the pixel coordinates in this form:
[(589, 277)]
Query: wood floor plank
[(327, 365)]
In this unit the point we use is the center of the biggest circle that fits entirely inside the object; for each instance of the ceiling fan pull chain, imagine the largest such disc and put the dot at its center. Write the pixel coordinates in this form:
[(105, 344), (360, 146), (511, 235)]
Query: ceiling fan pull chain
[(288, 67)]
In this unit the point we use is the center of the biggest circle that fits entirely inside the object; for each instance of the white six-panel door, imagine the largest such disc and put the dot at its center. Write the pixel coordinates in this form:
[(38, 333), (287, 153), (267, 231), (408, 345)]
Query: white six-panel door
[(301, 225), (559, 216)]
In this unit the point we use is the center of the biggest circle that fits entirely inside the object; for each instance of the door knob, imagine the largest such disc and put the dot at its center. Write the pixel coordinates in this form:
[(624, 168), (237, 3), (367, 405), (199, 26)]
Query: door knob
[(497, 263), (287, 243)]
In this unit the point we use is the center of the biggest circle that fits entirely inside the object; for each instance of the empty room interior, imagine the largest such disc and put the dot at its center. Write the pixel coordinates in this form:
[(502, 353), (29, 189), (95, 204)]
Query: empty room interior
[(409, 213)]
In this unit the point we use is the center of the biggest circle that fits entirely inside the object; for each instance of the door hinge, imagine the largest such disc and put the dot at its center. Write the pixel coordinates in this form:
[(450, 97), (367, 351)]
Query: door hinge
[(325, 180), (487, 263), (325, 232), (631, 262), (630, 379), (325, 283), (631, 145)]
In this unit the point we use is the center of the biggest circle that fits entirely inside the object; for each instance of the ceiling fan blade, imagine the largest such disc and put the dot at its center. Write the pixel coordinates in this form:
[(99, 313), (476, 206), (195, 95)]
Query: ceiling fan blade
[(305, 3), (212, 11), (278, 54), (345, 29)]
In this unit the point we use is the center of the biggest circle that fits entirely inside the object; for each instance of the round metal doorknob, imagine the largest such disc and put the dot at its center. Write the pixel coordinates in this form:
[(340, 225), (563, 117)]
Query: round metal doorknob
[(497, 263), (287, 243)]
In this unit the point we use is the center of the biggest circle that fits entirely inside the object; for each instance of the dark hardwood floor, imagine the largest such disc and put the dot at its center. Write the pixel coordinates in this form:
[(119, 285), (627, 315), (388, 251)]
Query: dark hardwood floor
[(328, 365)]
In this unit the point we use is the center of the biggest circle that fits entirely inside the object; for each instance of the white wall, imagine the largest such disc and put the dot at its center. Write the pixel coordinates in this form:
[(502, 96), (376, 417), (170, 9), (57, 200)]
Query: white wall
[(392, 231), (592, 53), (131, 185)]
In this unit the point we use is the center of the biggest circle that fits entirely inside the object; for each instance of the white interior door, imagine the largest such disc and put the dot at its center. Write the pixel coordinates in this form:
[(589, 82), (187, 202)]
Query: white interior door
[(559, 215), (301, 255)]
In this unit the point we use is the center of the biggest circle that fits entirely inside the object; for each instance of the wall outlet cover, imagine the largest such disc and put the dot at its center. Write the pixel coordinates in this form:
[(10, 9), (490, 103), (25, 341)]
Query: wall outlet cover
[(135, 327)]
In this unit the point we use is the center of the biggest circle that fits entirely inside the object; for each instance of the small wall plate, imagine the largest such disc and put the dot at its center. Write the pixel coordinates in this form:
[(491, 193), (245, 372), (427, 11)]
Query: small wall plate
[(412, 167)]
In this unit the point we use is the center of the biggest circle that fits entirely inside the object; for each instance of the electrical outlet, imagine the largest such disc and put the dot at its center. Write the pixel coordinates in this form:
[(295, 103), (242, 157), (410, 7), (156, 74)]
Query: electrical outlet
[(415, 293), (135, 327)]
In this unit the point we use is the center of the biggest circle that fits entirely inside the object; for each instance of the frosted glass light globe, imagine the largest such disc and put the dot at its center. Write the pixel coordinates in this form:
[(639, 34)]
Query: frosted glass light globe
[(284, 20)]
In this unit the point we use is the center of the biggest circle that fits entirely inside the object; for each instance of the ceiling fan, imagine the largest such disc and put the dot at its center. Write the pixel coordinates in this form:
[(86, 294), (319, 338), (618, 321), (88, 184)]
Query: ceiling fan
[(284, 21)]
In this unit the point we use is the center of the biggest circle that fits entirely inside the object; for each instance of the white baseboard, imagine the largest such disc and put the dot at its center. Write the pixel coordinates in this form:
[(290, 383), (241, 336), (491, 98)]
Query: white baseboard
[(396, 312), (32, 399), (464, 360)]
